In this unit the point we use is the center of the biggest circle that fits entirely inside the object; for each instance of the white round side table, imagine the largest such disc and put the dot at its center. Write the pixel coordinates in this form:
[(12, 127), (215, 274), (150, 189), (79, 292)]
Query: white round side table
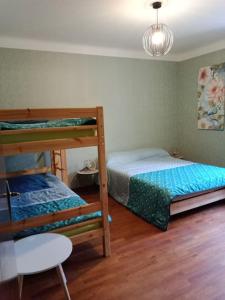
[(41, 252), (86, 171)]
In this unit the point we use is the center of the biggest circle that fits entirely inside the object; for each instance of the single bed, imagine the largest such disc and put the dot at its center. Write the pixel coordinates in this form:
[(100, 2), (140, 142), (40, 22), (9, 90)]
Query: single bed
[(152, 184), (40, 194)]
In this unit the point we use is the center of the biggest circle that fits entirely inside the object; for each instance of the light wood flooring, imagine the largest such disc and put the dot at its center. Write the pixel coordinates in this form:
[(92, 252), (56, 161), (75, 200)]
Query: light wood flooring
[(186, 262)]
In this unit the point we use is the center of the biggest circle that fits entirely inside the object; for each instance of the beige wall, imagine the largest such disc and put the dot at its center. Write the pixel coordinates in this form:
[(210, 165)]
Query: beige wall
[(138, 96), (199, 145)]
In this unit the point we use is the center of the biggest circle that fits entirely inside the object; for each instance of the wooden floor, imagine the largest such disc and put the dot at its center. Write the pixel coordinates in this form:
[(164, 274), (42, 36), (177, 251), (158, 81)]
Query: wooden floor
[(186, 262)]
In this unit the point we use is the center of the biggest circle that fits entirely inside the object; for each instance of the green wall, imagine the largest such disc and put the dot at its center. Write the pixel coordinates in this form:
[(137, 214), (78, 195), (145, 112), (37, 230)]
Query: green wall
[(198, 145), (139, 96), (146, 103)]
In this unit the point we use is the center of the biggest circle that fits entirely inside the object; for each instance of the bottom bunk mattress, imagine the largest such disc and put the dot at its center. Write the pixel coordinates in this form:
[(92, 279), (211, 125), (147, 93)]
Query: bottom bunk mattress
[(41, 194), (148, 186)]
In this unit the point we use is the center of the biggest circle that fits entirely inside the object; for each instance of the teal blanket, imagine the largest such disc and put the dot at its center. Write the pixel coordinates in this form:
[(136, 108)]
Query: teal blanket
[(45, 124), (151, 194)]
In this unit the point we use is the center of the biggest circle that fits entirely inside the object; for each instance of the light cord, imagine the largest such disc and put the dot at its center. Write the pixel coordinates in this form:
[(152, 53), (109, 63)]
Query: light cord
[(157, 19)]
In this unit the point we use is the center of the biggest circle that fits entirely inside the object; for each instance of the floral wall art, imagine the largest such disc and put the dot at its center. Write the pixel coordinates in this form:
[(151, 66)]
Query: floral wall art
[(211, 94)]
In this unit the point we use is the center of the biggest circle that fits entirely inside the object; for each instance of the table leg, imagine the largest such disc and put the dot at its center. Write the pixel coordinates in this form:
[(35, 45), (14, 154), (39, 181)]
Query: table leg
[(63, 280), (20, 282)]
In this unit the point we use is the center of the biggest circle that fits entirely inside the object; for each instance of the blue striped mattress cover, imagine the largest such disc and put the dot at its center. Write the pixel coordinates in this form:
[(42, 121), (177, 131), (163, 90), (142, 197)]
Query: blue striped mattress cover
[(52, 196)]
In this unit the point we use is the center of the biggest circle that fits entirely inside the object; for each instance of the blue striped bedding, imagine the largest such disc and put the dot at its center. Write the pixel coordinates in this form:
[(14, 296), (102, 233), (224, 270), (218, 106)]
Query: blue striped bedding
[(41, 194)]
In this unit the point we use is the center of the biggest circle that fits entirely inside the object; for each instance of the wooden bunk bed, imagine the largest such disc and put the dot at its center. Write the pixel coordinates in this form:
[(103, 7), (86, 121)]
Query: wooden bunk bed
[(56, 140)]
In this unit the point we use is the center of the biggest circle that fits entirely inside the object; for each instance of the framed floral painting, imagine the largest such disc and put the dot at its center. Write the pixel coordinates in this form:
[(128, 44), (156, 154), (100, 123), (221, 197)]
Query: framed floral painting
[(211, 97)]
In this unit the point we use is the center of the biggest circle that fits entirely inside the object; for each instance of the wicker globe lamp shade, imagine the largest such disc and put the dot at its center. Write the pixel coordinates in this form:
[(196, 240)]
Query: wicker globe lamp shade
[(158, 38)]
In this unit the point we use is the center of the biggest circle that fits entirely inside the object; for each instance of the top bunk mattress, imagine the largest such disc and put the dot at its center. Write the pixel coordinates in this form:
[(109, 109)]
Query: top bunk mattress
[(7, 137), (41, 194), (46, 124)]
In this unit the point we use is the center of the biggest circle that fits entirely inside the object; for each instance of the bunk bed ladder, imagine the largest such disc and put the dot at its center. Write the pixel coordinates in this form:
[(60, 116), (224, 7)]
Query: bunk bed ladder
[(59, 164)]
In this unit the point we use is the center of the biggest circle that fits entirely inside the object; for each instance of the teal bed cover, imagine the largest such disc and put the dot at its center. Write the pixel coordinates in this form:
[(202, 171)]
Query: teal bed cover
[(45, 124), (150, 194)]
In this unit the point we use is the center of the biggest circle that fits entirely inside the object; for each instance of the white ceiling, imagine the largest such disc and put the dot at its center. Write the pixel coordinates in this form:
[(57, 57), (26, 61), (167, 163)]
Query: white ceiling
[(111, 27)]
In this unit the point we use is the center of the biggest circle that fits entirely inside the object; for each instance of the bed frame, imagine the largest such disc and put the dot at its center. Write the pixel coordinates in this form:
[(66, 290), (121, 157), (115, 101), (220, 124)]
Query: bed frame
[(196, 201), (84, 136)]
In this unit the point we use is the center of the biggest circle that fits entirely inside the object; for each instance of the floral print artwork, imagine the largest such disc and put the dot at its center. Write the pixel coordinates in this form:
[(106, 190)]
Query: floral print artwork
[(211, 94)]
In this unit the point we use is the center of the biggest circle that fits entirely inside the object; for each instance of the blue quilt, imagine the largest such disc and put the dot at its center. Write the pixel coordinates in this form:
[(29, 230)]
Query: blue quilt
[(31, 183), (150, 194), (51, 196)]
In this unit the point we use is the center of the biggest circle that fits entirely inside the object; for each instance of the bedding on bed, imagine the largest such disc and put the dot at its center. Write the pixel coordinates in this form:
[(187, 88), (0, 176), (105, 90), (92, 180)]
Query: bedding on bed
[(121, 166), (148, 186), (46, 124), (37, 135), (151, 193), (52, 196)]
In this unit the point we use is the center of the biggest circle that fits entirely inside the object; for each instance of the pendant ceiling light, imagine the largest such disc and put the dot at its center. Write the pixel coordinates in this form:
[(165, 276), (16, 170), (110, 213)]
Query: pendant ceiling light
[(158, 38)]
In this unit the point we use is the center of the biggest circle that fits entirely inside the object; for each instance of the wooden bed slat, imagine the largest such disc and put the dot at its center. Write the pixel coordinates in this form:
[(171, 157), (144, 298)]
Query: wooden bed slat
[(46, 113), (49, 218), (25, 172), (41, 146), (198, 201), (78, 225)]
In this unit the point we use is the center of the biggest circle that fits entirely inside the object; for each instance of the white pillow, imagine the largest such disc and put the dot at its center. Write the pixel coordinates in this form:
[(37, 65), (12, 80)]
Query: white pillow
[(124, 157)]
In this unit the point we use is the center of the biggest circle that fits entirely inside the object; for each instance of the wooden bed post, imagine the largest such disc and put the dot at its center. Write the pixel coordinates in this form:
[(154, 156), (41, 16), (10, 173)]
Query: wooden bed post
[(103, 182), (64, 171)]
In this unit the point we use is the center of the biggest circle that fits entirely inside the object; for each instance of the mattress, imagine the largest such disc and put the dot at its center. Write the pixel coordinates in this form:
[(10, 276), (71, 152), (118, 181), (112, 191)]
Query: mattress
[(41, 194), (38, 135), (119, 174), (148, 185)]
